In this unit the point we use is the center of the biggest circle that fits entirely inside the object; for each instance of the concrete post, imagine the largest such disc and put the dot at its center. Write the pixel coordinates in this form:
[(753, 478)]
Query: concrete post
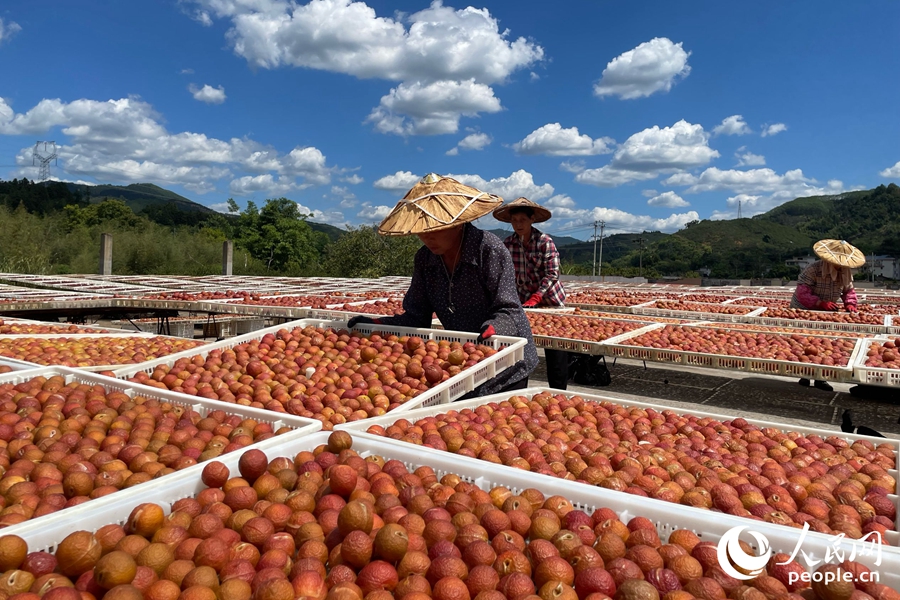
[(105, 254), (227, 257)]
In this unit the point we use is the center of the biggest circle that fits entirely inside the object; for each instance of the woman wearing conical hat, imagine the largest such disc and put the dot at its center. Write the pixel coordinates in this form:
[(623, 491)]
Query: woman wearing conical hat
[(827, 281), (536, 263), (462, 274)]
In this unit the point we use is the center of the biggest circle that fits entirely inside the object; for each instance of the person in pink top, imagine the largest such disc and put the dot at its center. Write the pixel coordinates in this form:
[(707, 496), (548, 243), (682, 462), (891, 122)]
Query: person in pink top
[(828, 281)]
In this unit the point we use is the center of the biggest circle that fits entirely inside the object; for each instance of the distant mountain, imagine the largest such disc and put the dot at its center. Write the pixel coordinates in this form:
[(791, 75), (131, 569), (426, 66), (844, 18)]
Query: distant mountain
[(759, 246), (559, 240), (139, 196), (331, 231)]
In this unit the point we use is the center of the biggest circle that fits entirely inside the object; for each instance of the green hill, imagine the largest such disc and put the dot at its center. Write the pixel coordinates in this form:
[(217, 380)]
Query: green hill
[(759, 246), (139, 196)]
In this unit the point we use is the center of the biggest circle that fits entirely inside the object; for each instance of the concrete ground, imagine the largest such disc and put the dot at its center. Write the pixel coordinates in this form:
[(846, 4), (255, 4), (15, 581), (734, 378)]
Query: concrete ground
[(749, 395)]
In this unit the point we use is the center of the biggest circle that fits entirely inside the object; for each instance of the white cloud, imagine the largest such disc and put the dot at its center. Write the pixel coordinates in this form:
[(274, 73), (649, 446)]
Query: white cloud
[(573, 166), (648, 153), (353, 179), (473, 141), (560, 200), (750, 181), (348, 198), (551, 139), (266, 185), (649, 193), (433, 108), (186, 72), (768, 187), (651, 67), (221, 207), (520, 183), (747, 203), (619, 221), (534, 76), (348, 37), (733, 125), (124, 141), (8, 29), (669, 200), (773, 129), (373, 213), (428, 52), (208, 94), (401, 181), (609, 176), (745, 158), (891, 172)]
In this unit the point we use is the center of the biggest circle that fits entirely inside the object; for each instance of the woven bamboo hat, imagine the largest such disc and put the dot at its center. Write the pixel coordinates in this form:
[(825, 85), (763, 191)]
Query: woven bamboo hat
[(840, 253), (437, 203), (541, 214)]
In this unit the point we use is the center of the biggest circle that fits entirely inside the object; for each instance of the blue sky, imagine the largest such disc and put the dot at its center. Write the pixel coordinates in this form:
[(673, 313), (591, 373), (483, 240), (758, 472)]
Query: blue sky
[(644, 114)]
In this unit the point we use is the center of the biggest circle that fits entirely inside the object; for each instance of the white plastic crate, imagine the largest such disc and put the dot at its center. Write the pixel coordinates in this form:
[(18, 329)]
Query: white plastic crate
[(46, 533), (881, 376), (249, 325), (893, 537), (18, 365), (587, 346), (510, 351), (650, 310), (887, 328), (218, 329), (618, 348), (201, 405)]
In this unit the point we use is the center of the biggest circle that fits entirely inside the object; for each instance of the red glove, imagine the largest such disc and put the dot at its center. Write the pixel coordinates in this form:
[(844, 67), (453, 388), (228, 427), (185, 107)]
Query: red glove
[(852, 308), (826, 305), (488, 332), (533, 301)]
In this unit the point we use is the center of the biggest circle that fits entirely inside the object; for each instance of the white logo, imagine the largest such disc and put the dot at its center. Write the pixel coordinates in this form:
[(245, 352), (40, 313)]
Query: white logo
[(729, 551)]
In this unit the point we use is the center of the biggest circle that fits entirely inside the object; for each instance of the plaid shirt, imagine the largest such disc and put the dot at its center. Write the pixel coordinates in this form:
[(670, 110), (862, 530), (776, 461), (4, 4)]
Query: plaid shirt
[(537, 268), (820, 287)]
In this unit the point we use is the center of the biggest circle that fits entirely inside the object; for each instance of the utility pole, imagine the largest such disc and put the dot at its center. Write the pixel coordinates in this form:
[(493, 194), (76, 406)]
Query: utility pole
[(640, 241), (594, 262), (600, 264)]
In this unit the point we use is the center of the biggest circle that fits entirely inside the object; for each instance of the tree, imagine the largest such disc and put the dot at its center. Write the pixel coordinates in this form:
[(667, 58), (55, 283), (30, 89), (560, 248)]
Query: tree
[(279, 236), (363, 252)]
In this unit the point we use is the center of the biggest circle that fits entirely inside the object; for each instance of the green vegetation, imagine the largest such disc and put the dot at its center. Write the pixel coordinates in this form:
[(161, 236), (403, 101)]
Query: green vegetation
[(55, 228)]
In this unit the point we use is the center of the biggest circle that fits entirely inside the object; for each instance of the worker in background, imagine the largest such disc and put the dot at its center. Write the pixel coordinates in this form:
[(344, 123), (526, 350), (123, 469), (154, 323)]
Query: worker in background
[(536, 263), (828, 281)]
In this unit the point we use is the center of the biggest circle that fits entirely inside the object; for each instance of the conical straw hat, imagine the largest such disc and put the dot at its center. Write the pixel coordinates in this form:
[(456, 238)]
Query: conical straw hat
[(541, 214), (437, 203), (839, 252)]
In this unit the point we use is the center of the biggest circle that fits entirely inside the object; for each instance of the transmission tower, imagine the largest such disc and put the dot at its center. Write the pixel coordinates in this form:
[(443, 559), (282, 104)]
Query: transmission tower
[(739, 209), (45, 153)]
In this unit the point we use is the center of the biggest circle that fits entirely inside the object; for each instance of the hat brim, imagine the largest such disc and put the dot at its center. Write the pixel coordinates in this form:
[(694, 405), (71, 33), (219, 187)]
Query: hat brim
[(541, 214), (840, 253), (435, 206)]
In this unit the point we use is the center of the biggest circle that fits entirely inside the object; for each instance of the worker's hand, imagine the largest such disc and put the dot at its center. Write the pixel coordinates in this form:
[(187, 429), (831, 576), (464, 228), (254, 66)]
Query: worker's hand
[(826, 305), (852, 308), (359, 319), (488, 332), (533, 301)]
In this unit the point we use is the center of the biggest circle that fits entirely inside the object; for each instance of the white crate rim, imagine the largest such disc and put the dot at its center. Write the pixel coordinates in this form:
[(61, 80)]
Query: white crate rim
[(50, 530)]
